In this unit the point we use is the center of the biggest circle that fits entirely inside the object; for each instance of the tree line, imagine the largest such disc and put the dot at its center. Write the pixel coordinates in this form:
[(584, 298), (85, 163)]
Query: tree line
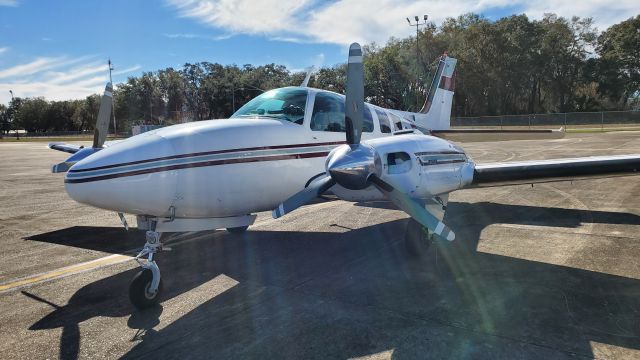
[(513, 65)]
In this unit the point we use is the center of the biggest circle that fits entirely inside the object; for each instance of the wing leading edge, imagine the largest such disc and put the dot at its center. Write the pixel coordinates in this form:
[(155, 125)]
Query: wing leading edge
[(68, 148), (540, 171)]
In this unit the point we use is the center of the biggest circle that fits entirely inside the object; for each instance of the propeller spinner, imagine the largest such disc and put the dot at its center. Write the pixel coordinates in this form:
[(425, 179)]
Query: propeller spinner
[(356, 166)]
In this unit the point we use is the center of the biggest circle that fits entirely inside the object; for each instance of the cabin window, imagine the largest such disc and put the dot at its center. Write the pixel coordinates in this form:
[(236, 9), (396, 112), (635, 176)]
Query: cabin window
[(385, 124), (397, 122), (367, 125), (328, 114), (284, 104)]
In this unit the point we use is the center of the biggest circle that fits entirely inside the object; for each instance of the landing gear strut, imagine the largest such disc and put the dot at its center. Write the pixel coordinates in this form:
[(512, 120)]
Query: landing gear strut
[(146, 286)]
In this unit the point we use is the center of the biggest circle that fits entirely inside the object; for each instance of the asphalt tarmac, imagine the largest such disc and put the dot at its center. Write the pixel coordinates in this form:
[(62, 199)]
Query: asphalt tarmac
[(550, 271)]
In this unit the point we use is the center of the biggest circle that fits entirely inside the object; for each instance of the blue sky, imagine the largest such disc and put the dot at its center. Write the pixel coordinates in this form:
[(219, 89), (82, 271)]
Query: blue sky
[(58, 49)]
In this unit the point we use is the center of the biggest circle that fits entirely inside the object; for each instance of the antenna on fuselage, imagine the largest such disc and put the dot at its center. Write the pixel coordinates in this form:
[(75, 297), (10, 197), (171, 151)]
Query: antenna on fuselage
[(310, 70)]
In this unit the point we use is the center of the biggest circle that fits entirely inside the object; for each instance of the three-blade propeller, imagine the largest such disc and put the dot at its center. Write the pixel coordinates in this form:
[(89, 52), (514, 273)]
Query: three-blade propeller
[(356, 166)]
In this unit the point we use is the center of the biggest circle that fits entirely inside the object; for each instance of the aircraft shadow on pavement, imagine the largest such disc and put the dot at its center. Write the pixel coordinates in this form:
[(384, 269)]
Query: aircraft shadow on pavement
[(115, 240), (328, 295)]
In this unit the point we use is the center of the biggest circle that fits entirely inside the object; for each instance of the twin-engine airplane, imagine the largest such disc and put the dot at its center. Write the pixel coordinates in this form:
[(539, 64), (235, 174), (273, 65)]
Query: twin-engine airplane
[(284, 148)]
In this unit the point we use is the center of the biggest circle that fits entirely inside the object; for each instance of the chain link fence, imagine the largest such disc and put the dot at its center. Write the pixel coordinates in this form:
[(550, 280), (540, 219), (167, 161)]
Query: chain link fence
[(575, 120)]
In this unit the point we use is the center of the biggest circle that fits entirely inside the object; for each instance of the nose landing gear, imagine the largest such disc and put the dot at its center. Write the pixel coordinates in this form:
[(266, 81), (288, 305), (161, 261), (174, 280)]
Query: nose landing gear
[(146, 286)]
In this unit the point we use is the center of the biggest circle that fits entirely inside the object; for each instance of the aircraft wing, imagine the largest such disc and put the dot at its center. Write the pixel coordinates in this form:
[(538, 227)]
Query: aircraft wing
[(479, 135), (72, 148), (540, 171), (111, 142), (69, 148)]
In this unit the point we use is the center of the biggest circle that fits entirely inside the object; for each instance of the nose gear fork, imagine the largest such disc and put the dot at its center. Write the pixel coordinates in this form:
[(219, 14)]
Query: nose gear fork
[(152, 246), (146, 286)]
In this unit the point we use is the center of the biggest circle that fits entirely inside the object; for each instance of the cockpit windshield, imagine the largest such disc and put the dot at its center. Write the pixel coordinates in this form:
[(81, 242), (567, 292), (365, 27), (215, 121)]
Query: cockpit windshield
[(285, 104)]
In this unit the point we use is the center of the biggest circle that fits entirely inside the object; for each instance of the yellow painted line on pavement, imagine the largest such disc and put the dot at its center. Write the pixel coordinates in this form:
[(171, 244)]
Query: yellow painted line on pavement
[(65, 271), (111, 260)]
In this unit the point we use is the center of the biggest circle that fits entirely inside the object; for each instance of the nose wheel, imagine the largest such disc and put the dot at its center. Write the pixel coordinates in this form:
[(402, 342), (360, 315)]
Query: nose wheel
[(146, 286), (140, 293)]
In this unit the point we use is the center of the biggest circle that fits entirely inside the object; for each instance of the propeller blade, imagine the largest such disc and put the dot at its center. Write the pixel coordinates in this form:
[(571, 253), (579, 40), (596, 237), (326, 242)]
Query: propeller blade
[(303, 197), (354, 103), (414, 209), (104, 114)]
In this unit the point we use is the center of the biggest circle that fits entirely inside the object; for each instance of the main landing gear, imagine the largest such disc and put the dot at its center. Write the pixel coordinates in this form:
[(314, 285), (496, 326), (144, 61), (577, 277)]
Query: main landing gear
[(417, 239), (146, 286)]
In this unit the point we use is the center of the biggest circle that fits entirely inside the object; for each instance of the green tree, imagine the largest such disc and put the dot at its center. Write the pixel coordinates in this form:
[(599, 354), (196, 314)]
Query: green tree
[(619, 66), (31, 116)]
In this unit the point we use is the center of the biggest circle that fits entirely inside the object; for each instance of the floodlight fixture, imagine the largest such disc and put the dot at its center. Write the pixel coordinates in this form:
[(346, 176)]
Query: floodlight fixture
[(417, 18)]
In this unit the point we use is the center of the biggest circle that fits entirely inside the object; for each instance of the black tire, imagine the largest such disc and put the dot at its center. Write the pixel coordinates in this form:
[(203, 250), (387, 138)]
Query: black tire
[(138, 294), (238, 230), (417, 239)]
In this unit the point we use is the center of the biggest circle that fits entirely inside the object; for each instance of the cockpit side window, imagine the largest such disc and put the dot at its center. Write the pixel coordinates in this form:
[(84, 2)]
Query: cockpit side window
[(385, 124), (397, 121), (367, 125), (328, 113)]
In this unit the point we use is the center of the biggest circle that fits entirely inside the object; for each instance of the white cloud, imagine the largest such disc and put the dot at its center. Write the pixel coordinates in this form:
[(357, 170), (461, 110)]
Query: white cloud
[(57, 78), (127, 70), (199, 36), (604, 12), (3, 49), (184, 36), (244, 16), (33, 67), (345, 21), (8, 3)]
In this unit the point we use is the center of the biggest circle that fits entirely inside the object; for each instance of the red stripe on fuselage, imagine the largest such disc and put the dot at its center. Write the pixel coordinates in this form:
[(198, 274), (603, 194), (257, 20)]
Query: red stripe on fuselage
[(448, 83), (198, 164), (207, 153)]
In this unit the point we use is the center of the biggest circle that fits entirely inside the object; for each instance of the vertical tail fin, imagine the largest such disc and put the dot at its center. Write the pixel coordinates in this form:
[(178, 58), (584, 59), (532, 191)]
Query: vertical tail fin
[(436, 111), (104, 114)]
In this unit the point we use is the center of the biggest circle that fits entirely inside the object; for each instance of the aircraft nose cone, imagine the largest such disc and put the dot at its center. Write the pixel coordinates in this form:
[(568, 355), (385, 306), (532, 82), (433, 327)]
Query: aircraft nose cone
[(130, 176), (351, 166)]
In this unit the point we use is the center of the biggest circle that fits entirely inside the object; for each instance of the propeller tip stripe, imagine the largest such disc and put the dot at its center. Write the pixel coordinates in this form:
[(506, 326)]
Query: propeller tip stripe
[(278, 212), (451, 236), (355, 59)]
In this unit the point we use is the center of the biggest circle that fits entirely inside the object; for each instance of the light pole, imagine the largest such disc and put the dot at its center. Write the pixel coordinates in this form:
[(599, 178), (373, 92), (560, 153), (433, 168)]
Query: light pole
[(13, 115), (113, 107), (417, 25)]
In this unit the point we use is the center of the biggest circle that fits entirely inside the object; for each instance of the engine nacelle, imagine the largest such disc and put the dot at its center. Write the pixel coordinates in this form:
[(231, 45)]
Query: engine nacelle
[(423, 166)]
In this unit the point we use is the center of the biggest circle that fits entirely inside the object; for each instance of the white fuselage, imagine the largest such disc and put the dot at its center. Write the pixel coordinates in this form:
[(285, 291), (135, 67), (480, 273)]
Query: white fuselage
[(233, 167)]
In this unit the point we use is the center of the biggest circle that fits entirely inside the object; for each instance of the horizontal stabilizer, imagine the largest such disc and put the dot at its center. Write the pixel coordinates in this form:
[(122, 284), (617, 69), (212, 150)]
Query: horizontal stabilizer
[(529, 172)]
